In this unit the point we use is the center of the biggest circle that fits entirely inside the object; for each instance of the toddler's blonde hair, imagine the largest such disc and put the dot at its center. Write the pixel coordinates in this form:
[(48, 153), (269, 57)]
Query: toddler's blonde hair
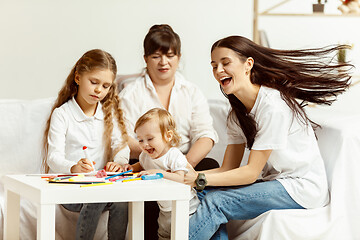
[(166, 123)]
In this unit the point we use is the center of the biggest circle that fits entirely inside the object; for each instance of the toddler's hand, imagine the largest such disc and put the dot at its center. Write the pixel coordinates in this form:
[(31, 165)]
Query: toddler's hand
[(150, 172), (142, 173)]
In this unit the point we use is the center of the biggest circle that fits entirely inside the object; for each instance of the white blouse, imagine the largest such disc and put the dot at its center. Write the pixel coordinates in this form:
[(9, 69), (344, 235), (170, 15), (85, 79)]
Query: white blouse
[(295, 160), (70, 130), (187, 105)]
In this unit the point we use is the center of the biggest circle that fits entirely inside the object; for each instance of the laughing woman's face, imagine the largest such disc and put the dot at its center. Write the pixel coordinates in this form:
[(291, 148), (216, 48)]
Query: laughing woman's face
[(229, 70)]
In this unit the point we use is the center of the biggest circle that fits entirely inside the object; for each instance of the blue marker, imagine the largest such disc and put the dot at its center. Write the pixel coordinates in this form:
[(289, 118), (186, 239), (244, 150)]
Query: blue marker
[(62, 178), (152, 177), (118, 174)]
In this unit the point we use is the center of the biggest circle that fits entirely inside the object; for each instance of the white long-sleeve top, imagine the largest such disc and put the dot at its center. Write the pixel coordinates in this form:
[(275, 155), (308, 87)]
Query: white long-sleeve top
[(188, 106), (70, 130)]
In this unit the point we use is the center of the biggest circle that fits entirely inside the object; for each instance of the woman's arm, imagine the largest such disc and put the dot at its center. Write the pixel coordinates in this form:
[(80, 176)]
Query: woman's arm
[(201, 132), (199, 150), (243, 175), (135, 149), (230, 174), (232, 159)]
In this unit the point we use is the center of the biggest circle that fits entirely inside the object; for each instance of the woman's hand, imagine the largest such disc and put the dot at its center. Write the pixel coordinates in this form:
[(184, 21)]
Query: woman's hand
[(82, 166), (113, 167), (191, 176)]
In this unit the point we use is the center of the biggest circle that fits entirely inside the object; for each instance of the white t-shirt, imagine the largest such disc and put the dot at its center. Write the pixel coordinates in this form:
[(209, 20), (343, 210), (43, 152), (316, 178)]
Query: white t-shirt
[(295, 160), (70, 130), (188, 106), (172, 161)]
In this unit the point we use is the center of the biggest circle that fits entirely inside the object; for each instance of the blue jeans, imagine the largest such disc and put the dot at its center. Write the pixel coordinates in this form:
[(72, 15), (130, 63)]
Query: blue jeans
[(220, 204), (90, 214)]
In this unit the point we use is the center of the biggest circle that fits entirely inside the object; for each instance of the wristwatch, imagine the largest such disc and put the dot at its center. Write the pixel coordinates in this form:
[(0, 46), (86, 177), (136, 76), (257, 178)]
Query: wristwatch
[(200, 182)]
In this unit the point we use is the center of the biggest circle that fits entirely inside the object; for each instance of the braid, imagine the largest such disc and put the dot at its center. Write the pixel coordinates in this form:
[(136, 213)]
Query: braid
[(111, 104), (120, 119), (108, 127)]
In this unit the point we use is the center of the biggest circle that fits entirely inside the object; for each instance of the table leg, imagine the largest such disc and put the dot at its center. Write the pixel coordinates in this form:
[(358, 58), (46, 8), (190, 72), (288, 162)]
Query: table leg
[(136, 220), (180, 220), (46, 222), (12, 215)]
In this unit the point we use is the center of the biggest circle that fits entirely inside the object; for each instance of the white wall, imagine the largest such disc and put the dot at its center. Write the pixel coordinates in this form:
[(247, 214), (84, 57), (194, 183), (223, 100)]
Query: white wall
[(41, 39)]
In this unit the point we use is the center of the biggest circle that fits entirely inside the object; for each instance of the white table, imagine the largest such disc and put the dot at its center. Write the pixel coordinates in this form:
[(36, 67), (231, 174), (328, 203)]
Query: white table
[(46, 196)]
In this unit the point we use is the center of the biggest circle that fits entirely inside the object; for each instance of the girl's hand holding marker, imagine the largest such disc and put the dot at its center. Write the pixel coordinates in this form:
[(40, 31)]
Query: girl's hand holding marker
[(87, 157)]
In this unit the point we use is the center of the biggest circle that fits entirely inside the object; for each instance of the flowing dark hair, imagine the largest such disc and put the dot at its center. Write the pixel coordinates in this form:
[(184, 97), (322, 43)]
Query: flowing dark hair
[(95, 59), (162, 38), (309, 75)]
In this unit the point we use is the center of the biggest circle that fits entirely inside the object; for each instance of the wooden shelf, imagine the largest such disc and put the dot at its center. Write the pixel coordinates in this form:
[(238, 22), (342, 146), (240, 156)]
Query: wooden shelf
[(308, 15), (269, 12)]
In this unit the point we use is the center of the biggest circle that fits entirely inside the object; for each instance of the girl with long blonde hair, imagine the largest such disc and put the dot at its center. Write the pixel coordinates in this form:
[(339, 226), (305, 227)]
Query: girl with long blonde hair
[(84, 114)]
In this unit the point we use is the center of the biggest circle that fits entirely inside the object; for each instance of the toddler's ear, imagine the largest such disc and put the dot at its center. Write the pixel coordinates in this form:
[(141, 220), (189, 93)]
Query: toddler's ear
[(169, 135)]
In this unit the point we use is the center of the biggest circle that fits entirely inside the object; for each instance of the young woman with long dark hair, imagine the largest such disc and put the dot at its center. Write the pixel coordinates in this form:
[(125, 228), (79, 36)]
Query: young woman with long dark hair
[(267, 89)]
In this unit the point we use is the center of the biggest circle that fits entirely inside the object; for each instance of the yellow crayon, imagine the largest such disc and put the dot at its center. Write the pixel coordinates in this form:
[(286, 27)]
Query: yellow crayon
[(79, 176), (132, 179), (96, 184)]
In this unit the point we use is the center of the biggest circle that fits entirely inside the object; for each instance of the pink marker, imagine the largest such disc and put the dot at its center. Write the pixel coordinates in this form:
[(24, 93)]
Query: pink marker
[(87, 157)]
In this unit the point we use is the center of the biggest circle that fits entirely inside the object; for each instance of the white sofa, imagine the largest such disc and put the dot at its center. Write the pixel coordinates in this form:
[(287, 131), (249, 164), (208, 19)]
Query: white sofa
[(21, 130)]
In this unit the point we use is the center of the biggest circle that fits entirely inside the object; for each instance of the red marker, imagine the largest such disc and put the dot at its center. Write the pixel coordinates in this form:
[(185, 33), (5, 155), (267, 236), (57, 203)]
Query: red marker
[(87, 157)]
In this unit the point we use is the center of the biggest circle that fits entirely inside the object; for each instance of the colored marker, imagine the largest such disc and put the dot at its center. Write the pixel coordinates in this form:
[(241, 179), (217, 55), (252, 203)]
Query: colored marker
[(132, 179), (73, 182), (122, 179), (87, 157), (76, 177), (119, 174), (61, 178), (97, 184)]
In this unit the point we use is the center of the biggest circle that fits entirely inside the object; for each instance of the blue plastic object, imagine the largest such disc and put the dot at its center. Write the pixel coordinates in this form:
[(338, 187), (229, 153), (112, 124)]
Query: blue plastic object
[(152, 177)]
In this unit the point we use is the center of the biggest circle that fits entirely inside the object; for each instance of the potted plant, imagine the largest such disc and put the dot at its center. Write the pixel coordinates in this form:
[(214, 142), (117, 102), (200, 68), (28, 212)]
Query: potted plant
[(319, 6)]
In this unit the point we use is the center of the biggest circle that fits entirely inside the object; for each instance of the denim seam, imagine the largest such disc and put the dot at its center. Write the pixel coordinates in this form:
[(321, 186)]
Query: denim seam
[(205, 223)]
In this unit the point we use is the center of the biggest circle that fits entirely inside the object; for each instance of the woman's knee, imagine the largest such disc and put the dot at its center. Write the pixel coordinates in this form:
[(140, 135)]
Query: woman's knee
[(212, 199)]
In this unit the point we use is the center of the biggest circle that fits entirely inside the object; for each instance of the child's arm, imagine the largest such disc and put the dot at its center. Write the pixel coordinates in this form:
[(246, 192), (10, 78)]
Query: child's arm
[(177, 176), (57, 135)]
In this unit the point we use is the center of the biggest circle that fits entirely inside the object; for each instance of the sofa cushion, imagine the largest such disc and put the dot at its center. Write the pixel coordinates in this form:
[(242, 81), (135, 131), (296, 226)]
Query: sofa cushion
[(21, 132)]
